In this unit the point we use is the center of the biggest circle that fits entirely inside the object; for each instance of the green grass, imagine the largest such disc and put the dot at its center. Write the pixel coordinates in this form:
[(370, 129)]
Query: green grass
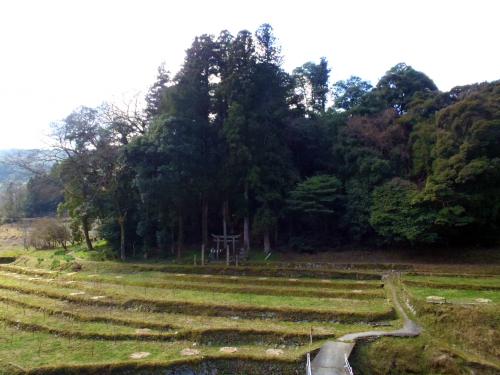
[(260, 286), (222, 304), (256, 306), (231, 285), (61, 325), (162, 321), (463, 331), (245, 289), (421, 355), (36, 320), (101, 252), (152, 277), (252, 307), (274, 281), (59, 329), (254, 256), (119, 287), (454, 282), (455, 295), (220, 269), (29, 350), (12, 252)]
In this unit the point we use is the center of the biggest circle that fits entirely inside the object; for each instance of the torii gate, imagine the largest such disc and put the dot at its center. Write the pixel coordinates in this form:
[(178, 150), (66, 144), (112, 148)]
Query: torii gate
[(218, 239)]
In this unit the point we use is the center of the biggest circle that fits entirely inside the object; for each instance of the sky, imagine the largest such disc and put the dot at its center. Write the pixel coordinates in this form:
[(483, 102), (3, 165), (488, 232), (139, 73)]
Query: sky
[(56, 55)]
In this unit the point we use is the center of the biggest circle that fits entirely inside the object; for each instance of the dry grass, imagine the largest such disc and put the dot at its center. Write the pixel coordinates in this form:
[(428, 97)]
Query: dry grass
[(162, 314), (464, 331), (11, 240), (252, 323)]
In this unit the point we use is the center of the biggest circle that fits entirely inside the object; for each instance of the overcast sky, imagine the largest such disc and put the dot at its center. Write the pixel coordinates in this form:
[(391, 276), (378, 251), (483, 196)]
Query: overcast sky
[(57, 55)]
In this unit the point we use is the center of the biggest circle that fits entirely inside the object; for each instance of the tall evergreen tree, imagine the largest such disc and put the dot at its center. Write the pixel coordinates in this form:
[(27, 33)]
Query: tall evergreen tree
[(311, 82), (156, 95)]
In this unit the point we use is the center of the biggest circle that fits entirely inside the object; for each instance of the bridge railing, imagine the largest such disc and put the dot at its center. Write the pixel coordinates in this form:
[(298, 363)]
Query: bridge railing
[(308, 365), (347, 366)]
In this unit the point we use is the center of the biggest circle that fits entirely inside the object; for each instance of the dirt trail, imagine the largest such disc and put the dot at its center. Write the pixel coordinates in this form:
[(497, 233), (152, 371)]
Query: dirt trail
[(331, 358)]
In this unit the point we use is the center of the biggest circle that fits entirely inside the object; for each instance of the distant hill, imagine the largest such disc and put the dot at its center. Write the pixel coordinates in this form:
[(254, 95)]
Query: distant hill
[(9, 172)]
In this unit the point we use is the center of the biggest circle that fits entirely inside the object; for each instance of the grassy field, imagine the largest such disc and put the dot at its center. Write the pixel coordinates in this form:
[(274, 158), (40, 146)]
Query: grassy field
[(454, 282), (57, 319), (11, 240), (460, 335), (64, 313), (468, 322)]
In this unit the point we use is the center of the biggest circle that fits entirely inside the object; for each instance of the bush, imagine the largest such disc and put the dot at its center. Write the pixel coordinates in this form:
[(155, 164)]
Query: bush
[(48, 233), (68, 258), (55, 264), (396, 217)]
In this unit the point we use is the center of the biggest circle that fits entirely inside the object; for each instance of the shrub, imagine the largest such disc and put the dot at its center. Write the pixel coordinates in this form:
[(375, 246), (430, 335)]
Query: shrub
[(68, 258), (396, 217), (48, 233), (55, 264)]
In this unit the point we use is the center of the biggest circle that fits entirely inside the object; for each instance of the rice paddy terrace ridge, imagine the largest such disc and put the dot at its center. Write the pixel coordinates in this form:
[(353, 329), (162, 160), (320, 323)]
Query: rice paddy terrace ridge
[(139, 318), (117, 318)]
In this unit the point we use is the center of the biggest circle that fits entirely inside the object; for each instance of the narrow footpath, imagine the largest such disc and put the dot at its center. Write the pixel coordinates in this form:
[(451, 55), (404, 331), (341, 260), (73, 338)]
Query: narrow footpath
[(331, 358)]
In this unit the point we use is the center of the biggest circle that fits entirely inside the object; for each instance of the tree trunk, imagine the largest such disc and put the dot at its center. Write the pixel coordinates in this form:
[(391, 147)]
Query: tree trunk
[(224, 222), (267, 241), (172, 242), (204, 222), (246, 233), (86, 229), (121, 222), (246, 223), (180, 236), (202, 255)]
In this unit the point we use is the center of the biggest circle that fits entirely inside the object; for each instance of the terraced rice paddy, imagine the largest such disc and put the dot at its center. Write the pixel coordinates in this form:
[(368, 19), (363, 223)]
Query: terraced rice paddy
[(112, 319), (461, 315), (454, 289)]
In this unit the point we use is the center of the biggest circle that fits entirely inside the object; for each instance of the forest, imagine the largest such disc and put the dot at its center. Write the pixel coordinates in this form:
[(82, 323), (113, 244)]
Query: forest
[(234, 144)]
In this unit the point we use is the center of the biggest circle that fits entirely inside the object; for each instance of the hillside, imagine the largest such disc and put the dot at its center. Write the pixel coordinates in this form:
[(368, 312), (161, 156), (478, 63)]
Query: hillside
[(9, 172)]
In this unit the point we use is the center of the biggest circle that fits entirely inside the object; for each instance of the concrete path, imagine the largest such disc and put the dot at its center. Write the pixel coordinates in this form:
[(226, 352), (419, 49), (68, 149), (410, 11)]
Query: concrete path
[(331, 358)]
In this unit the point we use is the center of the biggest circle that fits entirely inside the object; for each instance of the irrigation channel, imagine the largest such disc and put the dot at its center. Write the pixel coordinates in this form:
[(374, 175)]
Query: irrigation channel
[(332, 358)]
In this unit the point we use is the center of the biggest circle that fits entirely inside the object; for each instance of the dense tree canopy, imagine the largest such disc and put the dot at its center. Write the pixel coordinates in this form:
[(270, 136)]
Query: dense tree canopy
[(396, 217), (234, 144)]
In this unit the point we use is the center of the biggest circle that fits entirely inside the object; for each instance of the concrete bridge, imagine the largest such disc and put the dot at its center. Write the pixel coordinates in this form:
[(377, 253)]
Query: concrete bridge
[(331, 359)]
